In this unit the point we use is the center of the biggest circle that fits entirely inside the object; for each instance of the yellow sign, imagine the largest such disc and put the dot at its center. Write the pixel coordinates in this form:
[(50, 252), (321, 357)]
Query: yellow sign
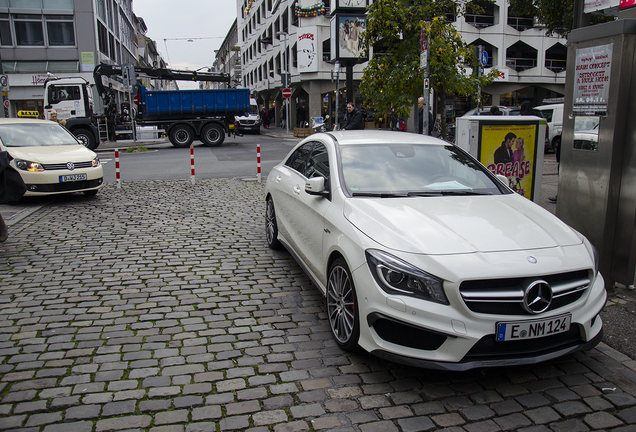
[(509, 150), (29, 114)]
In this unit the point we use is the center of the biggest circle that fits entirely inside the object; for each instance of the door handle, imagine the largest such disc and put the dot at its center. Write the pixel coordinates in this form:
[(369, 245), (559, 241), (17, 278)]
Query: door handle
[(297, 190), (277, 179)]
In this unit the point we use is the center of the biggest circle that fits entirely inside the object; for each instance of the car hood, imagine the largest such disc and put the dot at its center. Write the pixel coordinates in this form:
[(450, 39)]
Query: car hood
[(52, 154), (458, 224)]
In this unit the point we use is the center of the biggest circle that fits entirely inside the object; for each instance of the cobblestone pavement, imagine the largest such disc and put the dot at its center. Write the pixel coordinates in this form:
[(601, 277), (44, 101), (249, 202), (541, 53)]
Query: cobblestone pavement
[(159, 307)]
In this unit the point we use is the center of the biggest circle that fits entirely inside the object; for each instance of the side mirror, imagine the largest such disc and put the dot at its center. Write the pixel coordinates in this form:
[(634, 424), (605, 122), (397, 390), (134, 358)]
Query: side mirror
[(316, 186)]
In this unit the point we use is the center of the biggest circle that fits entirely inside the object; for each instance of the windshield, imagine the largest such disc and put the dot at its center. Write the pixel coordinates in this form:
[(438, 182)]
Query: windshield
[(413, 170), (254, 109), (35, 135)]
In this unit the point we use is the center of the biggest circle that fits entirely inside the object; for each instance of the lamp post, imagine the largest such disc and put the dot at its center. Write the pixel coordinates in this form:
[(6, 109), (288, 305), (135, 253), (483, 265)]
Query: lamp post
[(286, 82)]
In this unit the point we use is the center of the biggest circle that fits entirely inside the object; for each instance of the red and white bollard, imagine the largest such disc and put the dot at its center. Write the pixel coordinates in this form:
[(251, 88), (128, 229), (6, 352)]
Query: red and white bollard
[(117, 168), (258, 162), (192, 163)]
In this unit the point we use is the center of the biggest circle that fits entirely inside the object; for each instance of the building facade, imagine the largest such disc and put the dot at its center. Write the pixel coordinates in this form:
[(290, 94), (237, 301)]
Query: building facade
[(276, 36), (59, 38)]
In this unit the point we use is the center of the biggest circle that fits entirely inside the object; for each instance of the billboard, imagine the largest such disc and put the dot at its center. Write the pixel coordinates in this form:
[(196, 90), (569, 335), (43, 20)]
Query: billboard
[(346, 41), (510, 149)]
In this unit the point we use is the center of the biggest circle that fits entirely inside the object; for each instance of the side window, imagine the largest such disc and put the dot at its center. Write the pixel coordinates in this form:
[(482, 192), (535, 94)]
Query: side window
[(298, 159), (318, 163), (547, 114), (61, 93)]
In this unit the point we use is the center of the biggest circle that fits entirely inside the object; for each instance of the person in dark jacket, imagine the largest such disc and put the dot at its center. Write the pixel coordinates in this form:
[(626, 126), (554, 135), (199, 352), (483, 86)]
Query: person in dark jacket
[(354, 118), (526, 108)]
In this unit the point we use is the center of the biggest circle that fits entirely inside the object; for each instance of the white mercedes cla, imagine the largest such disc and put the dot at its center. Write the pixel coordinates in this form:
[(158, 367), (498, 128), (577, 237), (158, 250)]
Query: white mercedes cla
[(426, 258)]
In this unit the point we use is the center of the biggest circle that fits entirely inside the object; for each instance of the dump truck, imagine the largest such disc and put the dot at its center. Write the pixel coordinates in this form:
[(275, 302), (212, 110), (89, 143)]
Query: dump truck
[(184, 115)]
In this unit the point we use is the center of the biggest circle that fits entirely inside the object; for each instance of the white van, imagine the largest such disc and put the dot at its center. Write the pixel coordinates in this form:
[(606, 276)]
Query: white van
[(554, 115), (251, 122)]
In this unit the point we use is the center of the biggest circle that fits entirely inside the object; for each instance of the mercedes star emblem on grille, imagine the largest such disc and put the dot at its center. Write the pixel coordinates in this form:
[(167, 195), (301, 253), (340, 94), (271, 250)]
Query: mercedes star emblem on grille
[(70, 166), (537, 297)]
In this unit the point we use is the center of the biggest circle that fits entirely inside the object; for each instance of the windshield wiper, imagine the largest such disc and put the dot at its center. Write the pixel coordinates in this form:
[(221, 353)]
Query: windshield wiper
[(380, 194), (447, 192)]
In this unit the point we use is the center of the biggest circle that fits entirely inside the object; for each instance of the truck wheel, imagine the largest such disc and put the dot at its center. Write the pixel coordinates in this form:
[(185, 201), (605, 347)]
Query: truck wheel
[(181, 136), (85, 138), (212, 135)]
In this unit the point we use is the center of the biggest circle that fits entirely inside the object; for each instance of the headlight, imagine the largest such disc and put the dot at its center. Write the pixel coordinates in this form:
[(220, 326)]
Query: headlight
[(596, 259), (95, 162), (395, 276), (28, 166)]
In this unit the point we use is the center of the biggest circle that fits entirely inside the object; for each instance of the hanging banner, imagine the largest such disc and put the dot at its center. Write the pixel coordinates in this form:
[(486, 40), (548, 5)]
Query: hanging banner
[(307, 49), (592, 80)]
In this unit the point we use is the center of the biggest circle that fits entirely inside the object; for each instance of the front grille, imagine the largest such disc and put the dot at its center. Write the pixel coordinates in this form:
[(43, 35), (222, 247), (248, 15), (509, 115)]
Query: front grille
[(247, 122), (62, 166), (505, 296), (489, 348), (65, 186), (404, 334)]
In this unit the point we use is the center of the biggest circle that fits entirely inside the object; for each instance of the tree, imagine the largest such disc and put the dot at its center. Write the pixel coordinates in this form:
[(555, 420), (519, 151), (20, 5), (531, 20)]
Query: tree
[(393, 76)]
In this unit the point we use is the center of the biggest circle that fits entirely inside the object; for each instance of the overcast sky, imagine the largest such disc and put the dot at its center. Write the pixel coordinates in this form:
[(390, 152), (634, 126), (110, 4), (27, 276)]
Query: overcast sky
[(209, 20)]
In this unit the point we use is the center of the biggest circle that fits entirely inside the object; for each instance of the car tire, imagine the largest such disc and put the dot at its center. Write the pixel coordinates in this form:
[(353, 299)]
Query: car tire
[(92, 192), (271, 227), (86, 138), (342, 306), (181, 136), (212, 135)]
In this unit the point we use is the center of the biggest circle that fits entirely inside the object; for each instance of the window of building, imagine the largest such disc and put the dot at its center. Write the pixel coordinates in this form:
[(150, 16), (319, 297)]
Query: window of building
[(101, 10), (103, 38), (58, 4), (32, 66), (28, 30), (25, 4), (60, 30), (5, 30), (285, 17), (294, 17), (111, 44)]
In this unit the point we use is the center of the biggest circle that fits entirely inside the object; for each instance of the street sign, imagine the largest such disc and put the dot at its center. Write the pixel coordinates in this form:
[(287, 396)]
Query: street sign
[(4, 83), (426, 83), (423, 59), (287, 93), (484, 58)]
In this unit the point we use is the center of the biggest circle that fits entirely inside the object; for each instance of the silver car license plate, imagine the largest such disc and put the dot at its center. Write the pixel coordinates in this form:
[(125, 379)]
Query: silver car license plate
[(72, 178), (518, 330)]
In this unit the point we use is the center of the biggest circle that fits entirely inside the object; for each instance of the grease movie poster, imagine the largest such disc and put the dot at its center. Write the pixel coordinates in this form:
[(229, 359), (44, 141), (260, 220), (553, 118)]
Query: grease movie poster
[(510, 150)]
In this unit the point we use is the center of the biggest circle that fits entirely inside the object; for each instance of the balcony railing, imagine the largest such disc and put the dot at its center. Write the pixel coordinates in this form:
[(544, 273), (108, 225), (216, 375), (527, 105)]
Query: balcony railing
[(480, 21), (521, 23), (555, 65), (520, 63)]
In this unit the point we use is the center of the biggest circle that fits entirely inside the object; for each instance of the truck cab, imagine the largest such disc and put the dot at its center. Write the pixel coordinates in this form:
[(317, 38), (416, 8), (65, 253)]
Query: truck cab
[(71, 98)]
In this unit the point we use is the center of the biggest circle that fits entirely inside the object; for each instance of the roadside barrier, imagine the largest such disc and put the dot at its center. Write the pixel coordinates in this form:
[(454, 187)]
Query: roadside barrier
[(258, 162), (117, 168), (192, 163)]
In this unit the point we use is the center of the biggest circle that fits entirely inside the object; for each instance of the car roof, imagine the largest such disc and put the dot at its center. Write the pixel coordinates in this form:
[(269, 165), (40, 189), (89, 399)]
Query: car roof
[(548, 106), (23, 120), (358, 137)]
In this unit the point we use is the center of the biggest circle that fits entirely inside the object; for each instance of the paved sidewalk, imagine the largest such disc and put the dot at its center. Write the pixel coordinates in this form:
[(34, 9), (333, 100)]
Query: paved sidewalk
[(159, 307)]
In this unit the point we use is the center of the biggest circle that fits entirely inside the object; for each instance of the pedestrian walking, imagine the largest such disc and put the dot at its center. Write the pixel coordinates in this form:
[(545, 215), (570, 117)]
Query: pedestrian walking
[(265, 118), (394, 120), (354, 120), (420, 106)]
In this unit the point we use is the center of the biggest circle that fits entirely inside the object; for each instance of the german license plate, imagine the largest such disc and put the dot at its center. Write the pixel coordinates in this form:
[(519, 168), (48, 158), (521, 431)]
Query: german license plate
[(72, 178), (518, 330)]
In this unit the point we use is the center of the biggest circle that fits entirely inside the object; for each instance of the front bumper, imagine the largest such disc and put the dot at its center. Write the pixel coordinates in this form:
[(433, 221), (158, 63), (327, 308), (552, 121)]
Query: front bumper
[(426, 334)]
